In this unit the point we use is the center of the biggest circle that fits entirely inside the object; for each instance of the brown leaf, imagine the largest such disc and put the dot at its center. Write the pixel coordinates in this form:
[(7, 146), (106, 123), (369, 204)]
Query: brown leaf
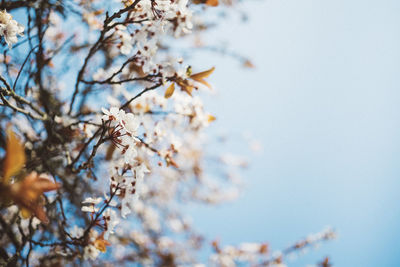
[(202, 75), (99, 12), (248, 64), (170, 90), (207, 2), (212, 2), (211, 118), (15, 156), (199, 77), (264, 248), (188, 89), (171, 162), (138, 69), (27, 195), (185, 86), (101, 244), (205, 83)]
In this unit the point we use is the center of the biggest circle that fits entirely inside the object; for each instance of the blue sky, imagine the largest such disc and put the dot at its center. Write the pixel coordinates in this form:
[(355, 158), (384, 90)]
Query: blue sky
[(324, 101)]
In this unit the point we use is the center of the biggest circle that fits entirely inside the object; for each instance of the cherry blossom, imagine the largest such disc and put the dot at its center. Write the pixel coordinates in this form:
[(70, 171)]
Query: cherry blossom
[(106, 143), (10, 28)]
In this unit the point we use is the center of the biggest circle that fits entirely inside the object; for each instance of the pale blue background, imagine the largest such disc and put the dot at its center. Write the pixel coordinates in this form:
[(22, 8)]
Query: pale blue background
[(324, 101)]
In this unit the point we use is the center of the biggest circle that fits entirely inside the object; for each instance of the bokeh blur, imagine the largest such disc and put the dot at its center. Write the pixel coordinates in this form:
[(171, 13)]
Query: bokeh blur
[(323, 100)]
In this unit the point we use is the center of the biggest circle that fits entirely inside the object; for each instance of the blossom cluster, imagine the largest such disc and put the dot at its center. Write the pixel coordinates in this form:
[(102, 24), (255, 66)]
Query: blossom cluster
[(10, 28), (99, 168)]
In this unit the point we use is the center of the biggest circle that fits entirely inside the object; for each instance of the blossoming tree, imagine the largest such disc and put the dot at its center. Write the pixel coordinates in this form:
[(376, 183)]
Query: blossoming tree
[(102, 137)]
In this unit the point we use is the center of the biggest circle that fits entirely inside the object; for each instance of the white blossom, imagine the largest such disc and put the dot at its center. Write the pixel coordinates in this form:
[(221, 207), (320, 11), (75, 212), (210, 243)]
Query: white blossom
[(10, 28), (90, 252), (76, 232), (90, 209), (93, 201), (111, 219)]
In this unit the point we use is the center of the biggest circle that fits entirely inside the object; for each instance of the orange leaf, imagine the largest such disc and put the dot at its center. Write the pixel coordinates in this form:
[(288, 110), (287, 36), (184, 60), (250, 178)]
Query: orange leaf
[(15, 156), (199, 77), (170, 90), (212, 2), (202, 75), (205, 83), (98, 12), (101, 244), (138, 69), (248, 64), (51, 65), (185, 86), (171, 162), (211, 118), (188, 89), (207, 2), (27, 195)]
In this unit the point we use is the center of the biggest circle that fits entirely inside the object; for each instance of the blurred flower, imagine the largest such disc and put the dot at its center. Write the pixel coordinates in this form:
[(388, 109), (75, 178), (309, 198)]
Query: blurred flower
[(10, 28), (90, 252)]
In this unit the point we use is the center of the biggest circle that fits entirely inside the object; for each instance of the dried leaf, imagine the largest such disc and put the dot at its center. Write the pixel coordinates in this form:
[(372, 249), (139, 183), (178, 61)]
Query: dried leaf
[(264, 248), (171, 162), (27, 195), (185, 86), (202, 75), (138, 69), (101, 244), (248, 64), (188, 89), (15, 156), (205, 83), (170, 90), (138, 106), (147, 108), (207, 2), (211, 118), (199, 77), (98, 12), (212, 2)]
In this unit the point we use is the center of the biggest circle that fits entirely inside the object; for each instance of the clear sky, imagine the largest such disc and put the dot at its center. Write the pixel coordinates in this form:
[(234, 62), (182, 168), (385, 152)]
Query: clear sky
[(324, 101)]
